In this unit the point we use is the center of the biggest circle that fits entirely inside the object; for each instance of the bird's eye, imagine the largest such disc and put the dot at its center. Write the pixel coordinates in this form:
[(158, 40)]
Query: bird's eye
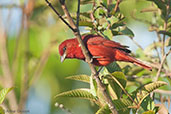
[(64, 49)]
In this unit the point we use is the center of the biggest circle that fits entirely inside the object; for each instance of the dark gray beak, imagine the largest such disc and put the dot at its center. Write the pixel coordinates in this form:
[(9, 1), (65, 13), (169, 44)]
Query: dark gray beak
[(63, 57)]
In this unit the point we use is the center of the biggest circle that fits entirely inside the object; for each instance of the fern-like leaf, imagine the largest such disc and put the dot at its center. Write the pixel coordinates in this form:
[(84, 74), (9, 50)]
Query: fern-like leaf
[(104, 110), (78, 93), (82, 78), (152, 86), (3, 93), (122, 105), (148, 88)]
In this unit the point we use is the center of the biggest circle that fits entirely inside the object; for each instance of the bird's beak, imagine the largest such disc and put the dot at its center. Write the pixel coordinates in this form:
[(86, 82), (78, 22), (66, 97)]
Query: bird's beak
[(63, 57)]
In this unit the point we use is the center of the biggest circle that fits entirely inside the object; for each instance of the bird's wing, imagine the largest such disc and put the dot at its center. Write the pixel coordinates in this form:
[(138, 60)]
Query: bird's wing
[(107, 43)]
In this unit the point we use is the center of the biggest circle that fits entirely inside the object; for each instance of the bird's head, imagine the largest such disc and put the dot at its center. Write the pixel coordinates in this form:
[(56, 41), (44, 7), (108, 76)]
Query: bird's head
[(66, 48)]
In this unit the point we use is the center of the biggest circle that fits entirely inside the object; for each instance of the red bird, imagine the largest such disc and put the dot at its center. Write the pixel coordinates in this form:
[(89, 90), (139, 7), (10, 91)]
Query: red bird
[(103, 51)]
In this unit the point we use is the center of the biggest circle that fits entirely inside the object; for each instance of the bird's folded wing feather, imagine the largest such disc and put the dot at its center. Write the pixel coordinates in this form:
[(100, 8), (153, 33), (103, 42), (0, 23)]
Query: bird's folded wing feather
[(108, 43)]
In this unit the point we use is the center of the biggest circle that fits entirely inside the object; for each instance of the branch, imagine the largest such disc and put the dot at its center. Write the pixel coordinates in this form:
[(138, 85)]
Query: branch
[(6, 69), (161, 64), (162, 91), (78, 13), (86, 54), (116, 6), (63, 20)]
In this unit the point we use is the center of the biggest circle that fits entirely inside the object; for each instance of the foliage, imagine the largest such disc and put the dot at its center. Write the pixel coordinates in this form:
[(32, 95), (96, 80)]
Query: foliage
[(109, 23), (3, 94), (33, 65)]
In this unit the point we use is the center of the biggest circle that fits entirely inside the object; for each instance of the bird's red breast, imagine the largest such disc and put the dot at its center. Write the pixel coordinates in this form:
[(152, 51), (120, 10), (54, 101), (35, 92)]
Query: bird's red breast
[(103, 51)]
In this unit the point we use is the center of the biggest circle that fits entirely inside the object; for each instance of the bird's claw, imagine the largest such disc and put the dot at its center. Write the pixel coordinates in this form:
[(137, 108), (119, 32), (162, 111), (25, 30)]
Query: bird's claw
[(91, 60)]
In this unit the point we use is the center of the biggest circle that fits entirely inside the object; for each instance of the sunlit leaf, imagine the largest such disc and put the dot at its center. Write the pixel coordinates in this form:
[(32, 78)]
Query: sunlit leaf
[(3, 93), (152, 86), (120, 77), (161, 5), (122, 105), (146, 90), (82, 78), (149, 112), (2, 110), (113, 67), (104, 110), (78, 93)]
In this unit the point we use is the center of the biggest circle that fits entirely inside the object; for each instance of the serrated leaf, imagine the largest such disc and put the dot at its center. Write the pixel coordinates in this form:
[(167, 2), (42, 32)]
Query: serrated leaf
[(78, 93), (3, 93), (121, 79), (148, 88), (82, 78), (152, 86), (122, 105), (104, 110)]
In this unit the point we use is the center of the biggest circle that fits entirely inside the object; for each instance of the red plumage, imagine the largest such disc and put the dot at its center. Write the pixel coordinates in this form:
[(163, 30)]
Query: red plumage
[(102, 50)]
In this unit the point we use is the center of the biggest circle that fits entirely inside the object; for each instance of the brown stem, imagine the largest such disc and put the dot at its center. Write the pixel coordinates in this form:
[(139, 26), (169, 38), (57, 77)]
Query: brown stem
[(116, 6), (78, 13), (88, 58), (161, 64), (25, 78), (6, 69)]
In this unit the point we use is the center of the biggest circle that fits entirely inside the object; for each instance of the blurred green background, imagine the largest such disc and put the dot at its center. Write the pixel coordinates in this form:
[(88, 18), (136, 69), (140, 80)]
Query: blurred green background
[(33, 33)]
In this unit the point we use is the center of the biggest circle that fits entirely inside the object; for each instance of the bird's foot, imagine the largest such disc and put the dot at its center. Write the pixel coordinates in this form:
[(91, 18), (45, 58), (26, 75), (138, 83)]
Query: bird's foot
[(91, 60)]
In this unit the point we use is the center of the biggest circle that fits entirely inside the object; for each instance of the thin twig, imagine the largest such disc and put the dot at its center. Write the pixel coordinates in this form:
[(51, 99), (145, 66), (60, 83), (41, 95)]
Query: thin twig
[(161, 65), (78, 13), (6, 69), (87, 56), (63, 20), (116, 6), (162, 91), (124, 90), (136, 43)]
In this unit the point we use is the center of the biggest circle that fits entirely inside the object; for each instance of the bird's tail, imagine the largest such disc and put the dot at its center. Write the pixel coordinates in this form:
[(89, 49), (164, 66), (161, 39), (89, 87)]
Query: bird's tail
[(127, 58), (141, 64)]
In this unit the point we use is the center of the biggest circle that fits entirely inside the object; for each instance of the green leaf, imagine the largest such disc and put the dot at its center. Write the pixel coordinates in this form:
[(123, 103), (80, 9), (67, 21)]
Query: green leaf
[(161, 5), (123, 30), (127, 31), (152, 86), (78, 93), (104, 110), (122, 105), (113, 67), (147, 89), (2, 110), (84, 19), (117, 88), (82, 78), (149, 112), (108, 34), (3, 93)]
